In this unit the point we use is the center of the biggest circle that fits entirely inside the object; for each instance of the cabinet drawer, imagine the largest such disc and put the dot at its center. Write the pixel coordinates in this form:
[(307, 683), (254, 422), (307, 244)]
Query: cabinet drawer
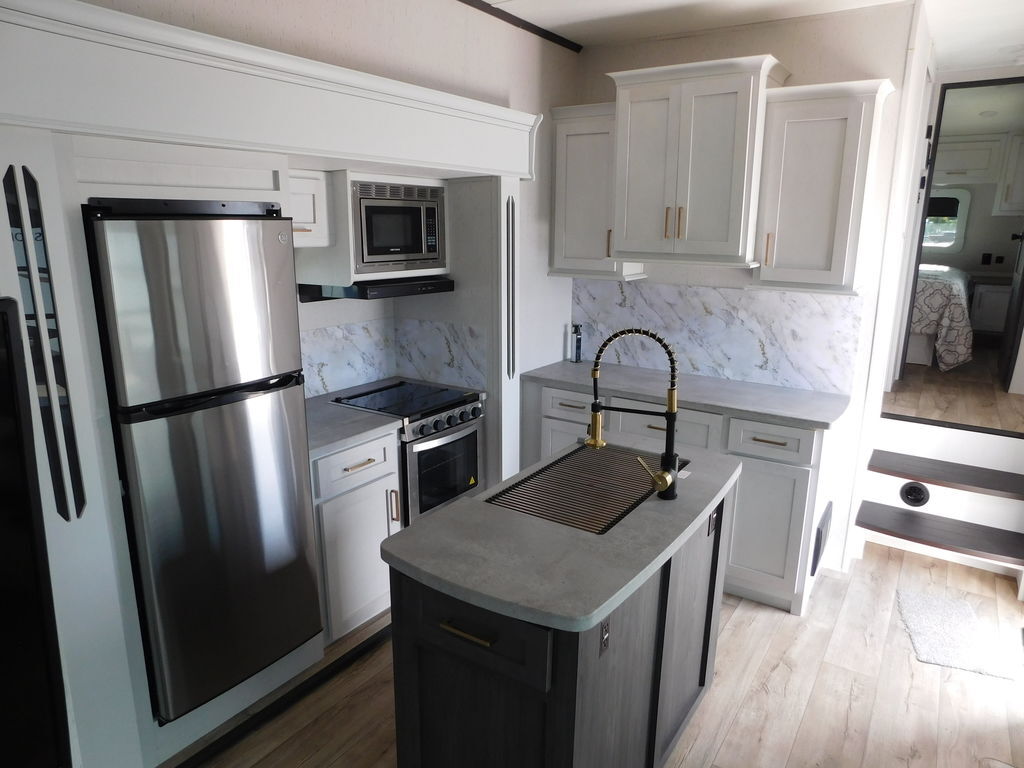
[(510, 647), (346, 469), (771, 441), (564, 404), (697, 428)]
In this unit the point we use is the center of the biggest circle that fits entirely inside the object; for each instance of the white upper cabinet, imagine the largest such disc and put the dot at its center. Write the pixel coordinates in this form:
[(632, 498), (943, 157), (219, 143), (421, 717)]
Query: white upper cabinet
[(584, 174), (1010, 192), (687, 159), (969, 160), (309, 209), (818, 141)]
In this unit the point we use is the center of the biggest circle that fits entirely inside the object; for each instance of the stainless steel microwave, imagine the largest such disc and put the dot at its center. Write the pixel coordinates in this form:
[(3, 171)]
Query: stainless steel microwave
[(398, 227)]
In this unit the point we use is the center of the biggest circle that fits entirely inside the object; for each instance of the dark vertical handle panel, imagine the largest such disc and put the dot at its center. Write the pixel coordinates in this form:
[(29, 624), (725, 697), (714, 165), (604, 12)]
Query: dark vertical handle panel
[(35, 317), (60, 375), (510, 278)]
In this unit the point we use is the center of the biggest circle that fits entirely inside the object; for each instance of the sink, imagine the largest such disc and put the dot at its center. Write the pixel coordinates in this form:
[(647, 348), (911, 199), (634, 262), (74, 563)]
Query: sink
[(589, 489)]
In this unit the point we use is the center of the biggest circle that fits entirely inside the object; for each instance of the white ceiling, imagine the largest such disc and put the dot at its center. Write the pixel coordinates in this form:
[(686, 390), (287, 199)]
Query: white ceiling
[(968, 34), (968, 110)]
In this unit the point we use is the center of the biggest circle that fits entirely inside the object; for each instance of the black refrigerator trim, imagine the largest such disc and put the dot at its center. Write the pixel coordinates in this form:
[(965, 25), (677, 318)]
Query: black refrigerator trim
[(10, 336), (178, 406), (133, 208)]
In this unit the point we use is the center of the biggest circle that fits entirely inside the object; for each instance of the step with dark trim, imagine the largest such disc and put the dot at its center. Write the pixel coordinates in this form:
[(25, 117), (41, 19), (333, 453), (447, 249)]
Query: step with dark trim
[(964, 477), (943, 532)]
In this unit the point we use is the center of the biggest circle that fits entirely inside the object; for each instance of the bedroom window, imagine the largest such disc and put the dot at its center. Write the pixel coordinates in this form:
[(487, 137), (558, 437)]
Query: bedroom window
[(945, 220)]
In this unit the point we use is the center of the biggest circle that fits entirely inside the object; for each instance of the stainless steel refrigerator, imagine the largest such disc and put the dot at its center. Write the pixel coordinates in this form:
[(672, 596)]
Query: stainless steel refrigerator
[(198, 315)]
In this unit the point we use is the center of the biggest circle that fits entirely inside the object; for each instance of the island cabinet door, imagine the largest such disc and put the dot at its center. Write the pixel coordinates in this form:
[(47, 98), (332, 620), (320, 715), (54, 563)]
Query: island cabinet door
[(474, 688), (692, 601)]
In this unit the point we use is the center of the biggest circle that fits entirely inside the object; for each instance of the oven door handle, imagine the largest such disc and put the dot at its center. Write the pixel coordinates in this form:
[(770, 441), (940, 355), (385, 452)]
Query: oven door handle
[(451, 437)]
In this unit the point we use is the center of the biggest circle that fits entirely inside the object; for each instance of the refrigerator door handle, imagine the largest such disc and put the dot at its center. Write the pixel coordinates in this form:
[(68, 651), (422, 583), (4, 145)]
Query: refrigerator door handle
[(210, 399)]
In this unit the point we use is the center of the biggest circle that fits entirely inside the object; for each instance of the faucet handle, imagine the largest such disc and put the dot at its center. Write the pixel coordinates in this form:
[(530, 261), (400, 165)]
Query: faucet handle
[(661, 479)]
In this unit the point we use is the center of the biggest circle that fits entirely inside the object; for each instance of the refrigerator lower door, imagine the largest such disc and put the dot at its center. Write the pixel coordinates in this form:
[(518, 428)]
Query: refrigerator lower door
[(193, 305), (222, 517)]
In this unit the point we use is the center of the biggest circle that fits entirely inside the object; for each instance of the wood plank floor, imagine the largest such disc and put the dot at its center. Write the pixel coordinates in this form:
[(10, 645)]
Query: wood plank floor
[(837, 687), (969, 394)]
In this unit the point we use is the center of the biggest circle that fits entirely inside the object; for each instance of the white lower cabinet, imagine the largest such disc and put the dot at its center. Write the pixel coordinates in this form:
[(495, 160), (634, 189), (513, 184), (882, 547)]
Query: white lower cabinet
[(697, 428), (364, 511), (764, 554), (556, 435)]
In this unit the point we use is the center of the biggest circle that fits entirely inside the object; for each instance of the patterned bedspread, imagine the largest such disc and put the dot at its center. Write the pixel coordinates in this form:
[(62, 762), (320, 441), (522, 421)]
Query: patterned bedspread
[(940, 307)]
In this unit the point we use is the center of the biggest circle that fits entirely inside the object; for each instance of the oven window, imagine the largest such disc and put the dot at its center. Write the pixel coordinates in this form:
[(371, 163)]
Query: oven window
[(447, 471), (393, 229)]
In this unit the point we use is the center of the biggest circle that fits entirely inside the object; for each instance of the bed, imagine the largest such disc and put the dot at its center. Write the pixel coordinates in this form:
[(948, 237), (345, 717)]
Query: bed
[(940, 322)]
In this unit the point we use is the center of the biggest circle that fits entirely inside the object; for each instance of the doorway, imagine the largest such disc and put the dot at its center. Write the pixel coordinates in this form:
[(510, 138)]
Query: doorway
[(960, 366)]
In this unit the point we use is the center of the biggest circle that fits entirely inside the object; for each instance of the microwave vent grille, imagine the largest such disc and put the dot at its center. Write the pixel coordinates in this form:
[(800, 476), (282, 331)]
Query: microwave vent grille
[(397, 191)]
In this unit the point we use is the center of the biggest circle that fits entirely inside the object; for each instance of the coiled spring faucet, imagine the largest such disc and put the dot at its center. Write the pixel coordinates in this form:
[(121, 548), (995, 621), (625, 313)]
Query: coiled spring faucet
[(665, 479)]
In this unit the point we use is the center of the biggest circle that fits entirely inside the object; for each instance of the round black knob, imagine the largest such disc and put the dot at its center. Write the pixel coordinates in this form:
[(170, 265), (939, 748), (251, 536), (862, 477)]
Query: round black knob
[(423, 429), (451, 420), (476, 411), (438, 425), (463, 415)]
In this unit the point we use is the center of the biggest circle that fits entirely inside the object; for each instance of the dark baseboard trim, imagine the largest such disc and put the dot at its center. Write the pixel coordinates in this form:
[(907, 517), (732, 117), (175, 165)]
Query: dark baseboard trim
[(515, 21), (952, 425), (279, 705)]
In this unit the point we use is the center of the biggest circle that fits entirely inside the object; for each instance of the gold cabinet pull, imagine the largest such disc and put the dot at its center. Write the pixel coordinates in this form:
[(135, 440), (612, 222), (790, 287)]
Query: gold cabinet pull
[(955, 173), (360, 465), (780, 443), (668, 212), (681, 222), (396, 512), (657, 427), (768, 253), (482, 642), (573, 405), (301, 229), (608, 245)]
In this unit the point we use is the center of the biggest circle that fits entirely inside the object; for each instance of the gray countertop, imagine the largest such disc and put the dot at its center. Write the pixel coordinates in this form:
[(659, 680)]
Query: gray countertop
[(550, 574), (331, 427), (764, 402)]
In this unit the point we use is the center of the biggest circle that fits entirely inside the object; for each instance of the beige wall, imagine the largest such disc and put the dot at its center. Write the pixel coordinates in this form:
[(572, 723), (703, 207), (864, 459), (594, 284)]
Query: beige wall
[(853, 45), (443, 45)]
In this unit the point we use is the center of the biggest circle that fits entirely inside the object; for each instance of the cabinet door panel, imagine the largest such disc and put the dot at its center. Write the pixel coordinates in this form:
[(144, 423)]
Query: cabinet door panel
[(811, 163), (585, 170), (556, 435), (714, 133), (1010, 192), (647, 150), (356, 579), (690, 603), (771, 500)]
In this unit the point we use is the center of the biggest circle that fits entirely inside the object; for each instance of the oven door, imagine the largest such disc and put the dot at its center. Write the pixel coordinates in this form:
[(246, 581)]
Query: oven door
[(439, 469)]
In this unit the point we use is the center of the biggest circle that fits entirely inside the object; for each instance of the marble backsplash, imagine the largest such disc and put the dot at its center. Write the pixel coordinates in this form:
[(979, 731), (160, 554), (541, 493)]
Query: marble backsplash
[(343, 356), (789, 338)]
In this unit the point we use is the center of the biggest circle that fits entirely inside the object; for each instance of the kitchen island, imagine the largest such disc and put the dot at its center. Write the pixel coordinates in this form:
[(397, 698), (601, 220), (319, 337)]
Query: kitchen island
[(523, 642)]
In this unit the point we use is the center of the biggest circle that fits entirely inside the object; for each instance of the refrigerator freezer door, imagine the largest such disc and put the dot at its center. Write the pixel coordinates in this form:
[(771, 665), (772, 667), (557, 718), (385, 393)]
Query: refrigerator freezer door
[(196, 304), (222, 518)]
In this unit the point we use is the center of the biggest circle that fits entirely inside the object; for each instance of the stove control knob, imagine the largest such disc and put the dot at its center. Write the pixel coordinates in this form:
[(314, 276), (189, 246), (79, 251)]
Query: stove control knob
[(438, 425), (463, 415), (476, 411), (423, 429), (451, 420)]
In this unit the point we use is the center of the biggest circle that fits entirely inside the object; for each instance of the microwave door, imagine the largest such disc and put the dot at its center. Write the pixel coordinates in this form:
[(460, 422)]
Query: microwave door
[(392, 230)]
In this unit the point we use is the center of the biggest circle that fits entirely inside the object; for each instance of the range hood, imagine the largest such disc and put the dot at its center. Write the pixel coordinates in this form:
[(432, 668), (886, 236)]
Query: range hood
[(377, 289)]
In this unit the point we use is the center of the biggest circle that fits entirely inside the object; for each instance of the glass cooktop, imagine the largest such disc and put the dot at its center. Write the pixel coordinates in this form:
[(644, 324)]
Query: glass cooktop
[(409, 399)]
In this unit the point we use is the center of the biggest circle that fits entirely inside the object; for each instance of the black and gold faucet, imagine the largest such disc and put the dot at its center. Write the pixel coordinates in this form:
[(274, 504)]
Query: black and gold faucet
[(665, 479)]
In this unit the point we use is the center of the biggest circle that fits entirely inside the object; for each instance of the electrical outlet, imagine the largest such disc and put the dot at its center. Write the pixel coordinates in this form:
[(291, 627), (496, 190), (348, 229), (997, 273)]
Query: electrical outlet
[(605, 634), (986, 258), (1000, 259)]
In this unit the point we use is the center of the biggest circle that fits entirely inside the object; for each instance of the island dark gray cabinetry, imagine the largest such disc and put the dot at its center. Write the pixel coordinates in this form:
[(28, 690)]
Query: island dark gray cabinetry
[(478, 688)]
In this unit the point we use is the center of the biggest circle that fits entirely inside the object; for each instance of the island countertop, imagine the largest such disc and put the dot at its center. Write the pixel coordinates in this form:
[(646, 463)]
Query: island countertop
[(765, 402), (550, 574)]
